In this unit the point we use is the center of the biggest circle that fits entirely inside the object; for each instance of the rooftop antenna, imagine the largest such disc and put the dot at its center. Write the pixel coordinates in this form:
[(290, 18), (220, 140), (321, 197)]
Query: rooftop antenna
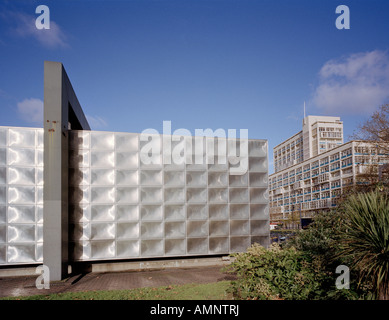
[(304, 114)]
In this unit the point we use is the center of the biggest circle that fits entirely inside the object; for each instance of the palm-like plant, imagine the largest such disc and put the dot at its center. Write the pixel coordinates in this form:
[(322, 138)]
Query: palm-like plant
[(365, 240)]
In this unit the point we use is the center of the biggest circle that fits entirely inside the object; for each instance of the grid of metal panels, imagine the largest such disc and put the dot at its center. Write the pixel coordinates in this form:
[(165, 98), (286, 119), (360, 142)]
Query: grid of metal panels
[(21, 195), (123, 208)]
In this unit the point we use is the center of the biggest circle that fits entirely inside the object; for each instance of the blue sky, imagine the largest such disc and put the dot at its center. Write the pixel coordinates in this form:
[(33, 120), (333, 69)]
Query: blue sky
[(200, 64)]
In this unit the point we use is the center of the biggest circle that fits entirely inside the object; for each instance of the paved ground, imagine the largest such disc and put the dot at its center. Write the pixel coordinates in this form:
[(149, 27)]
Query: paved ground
[(24, 286)]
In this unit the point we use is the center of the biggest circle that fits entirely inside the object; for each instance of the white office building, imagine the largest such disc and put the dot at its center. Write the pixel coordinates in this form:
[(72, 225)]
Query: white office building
[(324, 167), (319, 134)]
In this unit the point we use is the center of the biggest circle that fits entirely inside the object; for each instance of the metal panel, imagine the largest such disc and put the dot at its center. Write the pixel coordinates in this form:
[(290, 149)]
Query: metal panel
[(127, 213), (197, 246), (3, 175), (3, 137), (151, 230), (219, 245), (19, 157), (196, 178), (239, 211), (124, 207), (102, 159), (239, 195), (22, 253), (102, 213), (218, 228), (259, 211), (21, 214), (151, 177), (238, 244), (174, 195), (21, 137), (175, 247), (21, 233), (128, 160), (258, 179), (3, 156), (152, 248), (101, 231), (127, 177), (174, 178), (151, 212), (197, 228), (3, 214), (218, 212), (175, 230), (240, 227), (195, 212), (174, 212), (239, 180), (127, 249), (103, 249), (21, 195), (217, 195), (218, 179), (3, 233), (126, 195), (20, 175), (151, 195), (127, 230), (3, 254), (196, 195), (3, 195), (126, 141), (102, 177), (102, 140)]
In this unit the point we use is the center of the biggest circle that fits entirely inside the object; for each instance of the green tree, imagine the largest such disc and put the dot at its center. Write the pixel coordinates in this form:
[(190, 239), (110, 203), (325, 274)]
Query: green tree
[(364, 240)]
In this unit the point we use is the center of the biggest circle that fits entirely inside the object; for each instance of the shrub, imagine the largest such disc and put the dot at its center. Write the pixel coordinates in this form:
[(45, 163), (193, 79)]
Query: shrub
[(274, 273), (320, 244), (365, 239)]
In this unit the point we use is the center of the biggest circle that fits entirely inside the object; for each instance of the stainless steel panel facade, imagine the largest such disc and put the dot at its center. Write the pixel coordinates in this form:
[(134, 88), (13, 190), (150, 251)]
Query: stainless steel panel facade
[(21, 195), (123, 207)]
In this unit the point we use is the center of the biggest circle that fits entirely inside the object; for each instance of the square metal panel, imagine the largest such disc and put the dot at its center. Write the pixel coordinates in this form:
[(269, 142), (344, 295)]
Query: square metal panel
[(131, 204), (176, 247), (21, 157), (174, 212), (19, 137), (152, 248)]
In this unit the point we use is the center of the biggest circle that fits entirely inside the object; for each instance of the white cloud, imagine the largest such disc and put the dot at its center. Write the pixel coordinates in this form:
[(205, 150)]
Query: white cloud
[(96, 122), (51, 38), (31, 111), (358, 83)]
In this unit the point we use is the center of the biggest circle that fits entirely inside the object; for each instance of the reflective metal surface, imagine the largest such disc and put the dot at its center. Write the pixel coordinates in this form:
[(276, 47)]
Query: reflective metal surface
[(21, 195), (124, 207)]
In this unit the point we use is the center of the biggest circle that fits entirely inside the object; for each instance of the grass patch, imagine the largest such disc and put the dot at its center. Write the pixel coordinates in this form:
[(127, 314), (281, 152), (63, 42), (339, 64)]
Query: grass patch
[(208, 291)]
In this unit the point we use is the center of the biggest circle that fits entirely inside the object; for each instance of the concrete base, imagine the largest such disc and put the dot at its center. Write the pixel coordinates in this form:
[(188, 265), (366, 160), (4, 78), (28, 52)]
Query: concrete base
[(18, 272), (112, 266), (159, 264)]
